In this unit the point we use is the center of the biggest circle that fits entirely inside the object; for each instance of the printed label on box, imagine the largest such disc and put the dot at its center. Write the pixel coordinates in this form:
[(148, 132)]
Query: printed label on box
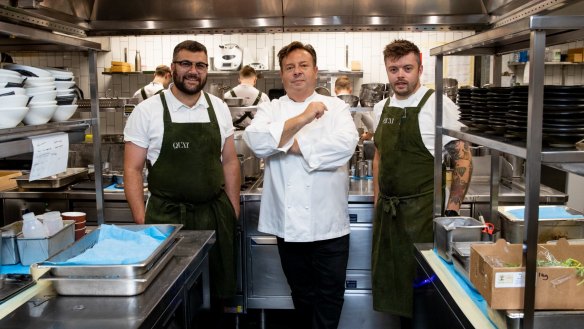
[(509, 280)]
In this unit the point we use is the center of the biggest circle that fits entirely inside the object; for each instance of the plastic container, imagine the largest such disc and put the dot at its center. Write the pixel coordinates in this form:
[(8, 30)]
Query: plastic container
[(33, 250), (9, 248), (32, 227), (53, 222)]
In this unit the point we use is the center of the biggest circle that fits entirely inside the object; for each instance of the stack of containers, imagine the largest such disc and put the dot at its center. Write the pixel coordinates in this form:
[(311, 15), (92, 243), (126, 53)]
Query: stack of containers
[(13, 101), (66, 97)]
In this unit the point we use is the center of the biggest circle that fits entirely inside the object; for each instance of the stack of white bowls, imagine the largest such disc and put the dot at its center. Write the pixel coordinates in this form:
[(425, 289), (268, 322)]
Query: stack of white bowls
[(13, 100), (66, 97)]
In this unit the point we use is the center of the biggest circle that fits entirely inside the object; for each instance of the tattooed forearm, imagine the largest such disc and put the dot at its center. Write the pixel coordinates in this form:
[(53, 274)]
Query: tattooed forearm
[(459, 151)]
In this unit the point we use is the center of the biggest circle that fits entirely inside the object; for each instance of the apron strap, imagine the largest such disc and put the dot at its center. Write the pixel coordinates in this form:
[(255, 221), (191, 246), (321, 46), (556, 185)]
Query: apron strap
[(143, 93), (390, 203), (232, 93), (257, 100)]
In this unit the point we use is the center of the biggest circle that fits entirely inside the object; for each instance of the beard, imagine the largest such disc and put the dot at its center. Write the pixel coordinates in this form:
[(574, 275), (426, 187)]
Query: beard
[(179, 82)]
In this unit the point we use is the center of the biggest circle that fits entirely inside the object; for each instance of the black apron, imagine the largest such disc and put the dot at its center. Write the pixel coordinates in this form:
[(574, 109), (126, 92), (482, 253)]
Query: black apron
[(143, 92), (256, 102), (403, 215), (187, 187)]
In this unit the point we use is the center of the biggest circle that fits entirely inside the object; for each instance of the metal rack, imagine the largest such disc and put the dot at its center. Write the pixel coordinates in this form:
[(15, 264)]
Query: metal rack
[(15, 141), (533, 33)]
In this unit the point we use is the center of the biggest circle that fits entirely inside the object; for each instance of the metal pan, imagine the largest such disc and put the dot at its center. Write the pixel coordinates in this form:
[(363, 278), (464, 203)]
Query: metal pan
[(65, 178), (107, 271), (104, 286)]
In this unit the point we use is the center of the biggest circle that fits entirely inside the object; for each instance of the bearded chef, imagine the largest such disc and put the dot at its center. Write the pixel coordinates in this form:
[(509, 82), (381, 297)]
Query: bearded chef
[(185, 137)]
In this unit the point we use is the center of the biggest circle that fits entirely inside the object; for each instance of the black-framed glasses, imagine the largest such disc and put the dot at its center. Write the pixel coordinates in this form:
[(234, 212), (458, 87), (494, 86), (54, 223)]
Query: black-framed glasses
[(186, 65)]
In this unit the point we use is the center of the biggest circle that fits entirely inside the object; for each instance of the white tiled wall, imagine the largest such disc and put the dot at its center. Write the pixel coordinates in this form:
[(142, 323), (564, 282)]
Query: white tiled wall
[(365, 47)]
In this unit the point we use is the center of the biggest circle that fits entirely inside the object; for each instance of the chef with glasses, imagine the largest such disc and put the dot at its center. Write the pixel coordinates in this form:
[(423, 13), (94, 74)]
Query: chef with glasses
[(185, 137)]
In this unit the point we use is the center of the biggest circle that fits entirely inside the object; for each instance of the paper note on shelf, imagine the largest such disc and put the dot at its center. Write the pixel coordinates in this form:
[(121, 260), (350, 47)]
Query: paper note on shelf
[(50, 153)]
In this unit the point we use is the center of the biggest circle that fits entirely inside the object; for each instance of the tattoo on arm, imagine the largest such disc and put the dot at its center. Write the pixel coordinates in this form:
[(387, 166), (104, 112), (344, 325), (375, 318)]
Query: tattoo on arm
[(459, 151)]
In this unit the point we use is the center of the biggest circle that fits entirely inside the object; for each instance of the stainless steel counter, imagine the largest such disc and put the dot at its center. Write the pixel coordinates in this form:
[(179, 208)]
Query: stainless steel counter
[(171, 297)]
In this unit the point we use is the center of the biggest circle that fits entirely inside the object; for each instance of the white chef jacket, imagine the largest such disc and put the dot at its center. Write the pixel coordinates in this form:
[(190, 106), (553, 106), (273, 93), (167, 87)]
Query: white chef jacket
[(150, 89), (426, 117), (248, 92), (145, 126), (305, 197)]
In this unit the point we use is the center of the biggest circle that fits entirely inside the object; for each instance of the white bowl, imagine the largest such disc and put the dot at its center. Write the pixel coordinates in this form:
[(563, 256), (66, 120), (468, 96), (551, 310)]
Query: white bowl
[(14, 101), (11, 78), (64, 112), (36, 90), (40, 79), (44, 96), (34, 84), (38, 115), (11, 117), (65, 92), (15, 90), (55, 71), (30, 69), (61, 85), (45, 103)]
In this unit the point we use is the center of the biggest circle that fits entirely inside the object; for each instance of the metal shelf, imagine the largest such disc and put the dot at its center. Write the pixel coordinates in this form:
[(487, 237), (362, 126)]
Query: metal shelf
[(549, 155), (270, 74)]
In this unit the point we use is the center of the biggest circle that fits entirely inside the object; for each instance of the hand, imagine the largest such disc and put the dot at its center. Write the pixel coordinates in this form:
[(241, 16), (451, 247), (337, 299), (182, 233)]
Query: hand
[(451, 213), (315, 110), (366, 136)]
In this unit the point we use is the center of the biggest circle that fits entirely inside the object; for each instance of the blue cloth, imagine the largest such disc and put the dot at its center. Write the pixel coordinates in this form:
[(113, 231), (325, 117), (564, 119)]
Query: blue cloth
[(118, 246), (14, 269), (547, 213), (464, 283)]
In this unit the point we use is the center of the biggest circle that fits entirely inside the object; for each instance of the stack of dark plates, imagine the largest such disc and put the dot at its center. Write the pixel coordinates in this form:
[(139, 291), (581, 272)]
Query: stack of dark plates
[(464, 102), (480, 111), (563, 114), (497, 106)]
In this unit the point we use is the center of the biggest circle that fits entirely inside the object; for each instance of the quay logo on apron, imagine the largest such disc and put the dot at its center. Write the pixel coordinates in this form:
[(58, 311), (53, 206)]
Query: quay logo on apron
[(180, 145), (388, 121)]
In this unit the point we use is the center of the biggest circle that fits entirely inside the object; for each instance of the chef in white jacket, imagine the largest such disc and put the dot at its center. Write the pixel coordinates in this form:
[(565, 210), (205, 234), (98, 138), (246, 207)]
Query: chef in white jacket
[(306, 140)]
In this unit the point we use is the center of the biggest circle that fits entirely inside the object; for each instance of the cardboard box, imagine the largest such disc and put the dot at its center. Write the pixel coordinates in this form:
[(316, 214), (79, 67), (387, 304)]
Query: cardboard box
[(6, 179), (575, 55), (496, 273)]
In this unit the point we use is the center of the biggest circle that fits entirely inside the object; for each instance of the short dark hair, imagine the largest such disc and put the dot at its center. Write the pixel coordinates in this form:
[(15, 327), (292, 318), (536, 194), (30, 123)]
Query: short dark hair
[(247, 72), (190, 45), (286, 50), (162, 70), (400, 48)]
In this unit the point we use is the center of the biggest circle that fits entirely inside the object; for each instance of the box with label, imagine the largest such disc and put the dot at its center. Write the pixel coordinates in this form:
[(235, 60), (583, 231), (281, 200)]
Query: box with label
[(497, 273)]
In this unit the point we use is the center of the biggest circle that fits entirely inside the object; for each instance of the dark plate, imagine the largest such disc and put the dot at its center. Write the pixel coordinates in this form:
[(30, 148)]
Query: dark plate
[(562, 140)]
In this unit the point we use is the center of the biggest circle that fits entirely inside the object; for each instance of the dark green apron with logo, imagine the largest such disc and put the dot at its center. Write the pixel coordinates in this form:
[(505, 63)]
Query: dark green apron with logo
[(187, 187), (403, 215)]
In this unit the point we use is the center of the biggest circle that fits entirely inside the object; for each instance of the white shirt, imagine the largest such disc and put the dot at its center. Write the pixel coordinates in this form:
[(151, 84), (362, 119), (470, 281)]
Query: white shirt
[(427, 116), (150, 89), (305, 197), (145, 126), (249, 93)]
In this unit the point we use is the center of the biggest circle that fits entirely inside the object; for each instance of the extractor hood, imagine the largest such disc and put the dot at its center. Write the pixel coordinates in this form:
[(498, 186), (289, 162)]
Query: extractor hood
[(138, 17)]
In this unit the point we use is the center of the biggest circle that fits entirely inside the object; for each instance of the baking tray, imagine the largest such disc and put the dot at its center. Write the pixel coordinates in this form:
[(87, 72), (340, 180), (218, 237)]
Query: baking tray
[(107, 271), (512, 227), (448, 230), (92, 286), (65, 178), (12, 284)]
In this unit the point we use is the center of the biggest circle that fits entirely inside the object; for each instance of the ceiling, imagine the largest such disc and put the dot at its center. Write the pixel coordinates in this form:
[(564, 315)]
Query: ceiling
[(137, 17)]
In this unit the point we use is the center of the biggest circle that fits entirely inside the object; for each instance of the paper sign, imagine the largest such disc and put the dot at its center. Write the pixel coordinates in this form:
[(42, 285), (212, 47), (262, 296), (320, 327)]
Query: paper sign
[(50, 154)]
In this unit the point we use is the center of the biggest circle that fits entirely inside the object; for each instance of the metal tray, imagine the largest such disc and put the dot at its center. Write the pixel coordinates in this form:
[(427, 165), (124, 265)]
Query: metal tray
[(91, 286), (56, 181), (107, 271)]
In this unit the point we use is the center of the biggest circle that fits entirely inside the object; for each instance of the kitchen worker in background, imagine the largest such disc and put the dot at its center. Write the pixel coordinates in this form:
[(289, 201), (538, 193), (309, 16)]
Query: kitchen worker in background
[(185, 136), (250, 94), (162, 78), (306, 140), (343, 86), (403, 177)]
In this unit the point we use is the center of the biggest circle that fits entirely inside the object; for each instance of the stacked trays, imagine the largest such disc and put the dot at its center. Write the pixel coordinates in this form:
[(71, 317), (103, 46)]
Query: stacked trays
[(109, 280), (480, 112), (465, 104), (497, 106)]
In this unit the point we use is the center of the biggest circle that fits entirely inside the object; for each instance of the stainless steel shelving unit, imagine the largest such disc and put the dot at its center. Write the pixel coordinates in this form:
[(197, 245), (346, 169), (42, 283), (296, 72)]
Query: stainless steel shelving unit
[(15, 141), (533, 33), (268, 74)]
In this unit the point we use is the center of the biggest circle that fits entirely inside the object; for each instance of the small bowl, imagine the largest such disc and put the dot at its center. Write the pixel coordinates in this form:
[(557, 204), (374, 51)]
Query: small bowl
[(12, 116), (14, 101), (9, 72), (38, 115), (352, 100), (64, 84), (15, 90), (44, 96), (64, 112), (36, 90), (11, 78), (30, 71), (234, 101)]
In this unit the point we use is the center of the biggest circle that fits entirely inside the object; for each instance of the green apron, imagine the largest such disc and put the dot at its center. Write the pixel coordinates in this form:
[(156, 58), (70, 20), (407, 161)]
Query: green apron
[(186, 185), (255, 102), (403, 214), (143, 92)]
